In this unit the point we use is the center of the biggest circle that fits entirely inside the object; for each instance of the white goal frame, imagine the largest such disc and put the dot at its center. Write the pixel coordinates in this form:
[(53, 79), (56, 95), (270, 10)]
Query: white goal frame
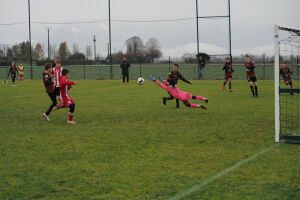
[(276, 84), (277, 29)]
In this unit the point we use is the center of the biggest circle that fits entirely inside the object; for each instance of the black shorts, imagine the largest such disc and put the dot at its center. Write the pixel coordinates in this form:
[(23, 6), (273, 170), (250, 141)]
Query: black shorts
[(288, 82), (56, 91), (252, 79), (227, 77)]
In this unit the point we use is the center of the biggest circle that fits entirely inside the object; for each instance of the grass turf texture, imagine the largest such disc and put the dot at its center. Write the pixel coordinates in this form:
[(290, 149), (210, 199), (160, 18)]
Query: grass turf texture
[(127, 145)]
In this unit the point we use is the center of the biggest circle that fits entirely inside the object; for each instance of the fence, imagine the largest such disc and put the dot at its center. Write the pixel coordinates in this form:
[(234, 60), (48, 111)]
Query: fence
[(189, 71)]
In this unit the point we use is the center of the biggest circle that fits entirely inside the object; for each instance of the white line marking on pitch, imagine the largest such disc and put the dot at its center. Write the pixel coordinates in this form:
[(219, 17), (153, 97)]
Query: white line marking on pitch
[(220, 174)]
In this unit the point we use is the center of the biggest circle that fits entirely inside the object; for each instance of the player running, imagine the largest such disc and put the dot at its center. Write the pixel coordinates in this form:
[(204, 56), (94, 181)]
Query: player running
[(286, 75), (49, 85), (64, 98), (21, 72), (57, 72), (228, 74), (175, 75), (13, 73), (173, 90), (251, 75)]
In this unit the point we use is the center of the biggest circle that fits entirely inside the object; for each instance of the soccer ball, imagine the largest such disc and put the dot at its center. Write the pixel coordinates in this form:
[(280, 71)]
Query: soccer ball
[(140, 81)]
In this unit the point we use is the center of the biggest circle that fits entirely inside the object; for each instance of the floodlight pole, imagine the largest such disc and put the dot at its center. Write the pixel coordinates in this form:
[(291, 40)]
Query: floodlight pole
[(110, 58), (197, 21), (48, 30), (94, 40), (229, 28), (30, 53)]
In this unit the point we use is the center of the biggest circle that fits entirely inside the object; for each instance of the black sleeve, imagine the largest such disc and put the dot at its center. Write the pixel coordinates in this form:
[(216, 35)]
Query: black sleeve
[(224, 67), (182, 78), (9, 71), (290, 71)]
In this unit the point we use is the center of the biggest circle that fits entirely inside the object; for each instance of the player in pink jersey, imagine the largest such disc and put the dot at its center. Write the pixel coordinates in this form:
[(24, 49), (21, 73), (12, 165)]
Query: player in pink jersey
[(64, 97), (172, 88)]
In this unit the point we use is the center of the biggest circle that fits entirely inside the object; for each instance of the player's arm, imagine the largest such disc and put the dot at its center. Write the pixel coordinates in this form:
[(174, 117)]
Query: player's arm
[(290, 71), (164, 81), (152, 78), (224, 68), (183, 79), (9, 71)]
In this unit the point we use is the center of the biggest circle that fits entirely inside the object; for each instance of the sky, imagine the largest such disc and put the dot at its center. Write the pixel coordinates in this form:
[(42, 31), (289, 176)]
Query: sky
[(252, 23)]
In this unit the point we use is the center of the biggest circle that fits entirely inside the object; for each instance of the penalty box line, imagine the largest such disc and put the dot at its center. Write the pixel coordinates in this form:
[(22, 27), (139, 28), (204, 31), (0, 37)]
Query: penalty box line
[(220, 174)]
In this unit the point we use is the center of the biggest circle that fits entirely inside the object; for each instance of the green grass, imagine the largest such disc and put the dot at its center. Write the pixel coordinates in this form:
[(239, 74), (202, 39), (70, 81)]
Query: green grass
[(127, 145)]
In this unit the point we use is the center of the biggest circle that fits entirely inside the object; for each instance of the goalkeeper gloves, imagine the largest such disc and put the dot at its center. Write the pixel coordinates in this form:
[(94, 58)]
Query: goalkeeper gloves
[(152, 78), (160, 78)]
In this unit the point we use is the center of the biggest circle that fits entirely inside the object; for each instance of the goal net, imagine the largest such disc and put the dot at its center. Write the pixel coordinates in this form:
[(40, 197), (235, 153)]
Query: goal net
[(287, 84)]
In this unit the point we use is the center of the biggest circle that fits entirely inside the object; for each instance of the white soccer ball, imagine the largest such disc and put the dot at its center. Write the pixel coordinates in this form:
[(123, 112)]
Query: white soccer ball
[(140, 81)]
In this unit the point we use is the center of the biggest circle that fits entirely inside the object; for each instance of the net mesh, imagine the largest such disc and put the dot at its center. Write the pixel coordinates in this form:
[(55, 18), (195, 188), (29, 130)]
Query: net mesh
[(289, 46)]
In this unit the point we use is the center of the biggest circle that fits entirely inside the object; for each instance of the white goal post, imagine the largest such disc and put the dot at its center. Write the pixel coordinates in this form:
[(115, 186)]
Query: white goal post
[(287, 98), (276, 80)]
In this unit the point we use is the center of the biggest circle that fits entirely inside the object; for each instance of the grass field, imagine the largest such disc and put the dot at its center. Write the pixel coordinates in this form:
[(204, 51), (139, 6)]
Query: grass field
[(127, 145)]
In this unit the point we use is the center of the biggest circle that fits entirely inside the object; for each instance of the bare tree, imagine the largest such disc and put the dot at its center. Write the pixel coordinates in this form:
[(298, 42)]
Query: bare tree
[(135, 48), (153, 49)]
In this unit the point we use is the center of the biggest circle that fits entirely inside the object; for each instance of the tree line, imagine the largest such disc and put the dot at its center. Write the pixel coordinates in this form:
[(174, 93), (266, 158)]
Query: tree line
[(136, 51)]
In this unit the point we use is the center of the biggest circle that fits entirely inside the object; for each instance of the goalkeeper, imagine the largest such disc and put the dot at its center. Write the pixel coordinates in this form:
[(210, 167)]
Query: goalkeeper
[(175, 75), (172, 88)]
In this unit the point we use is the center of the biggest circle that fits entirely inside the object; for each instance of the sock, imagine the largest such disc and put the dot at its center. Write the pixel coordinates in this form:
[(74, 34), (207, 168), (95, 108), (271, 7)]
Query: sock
[(71, 116), (195, 105), (256, 91), (48, 111), (230, 85), (169, 98), (224, 83), (177, 102), (252, 90), (199, 98)]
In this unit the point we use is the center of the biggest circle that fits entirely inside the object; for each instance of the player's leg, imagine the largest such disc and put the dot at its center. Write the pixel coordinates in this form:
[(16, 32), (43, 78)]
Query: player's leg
[(54, 103), (256, 88), (123, 78), (225, 81), (229, 80), (13, 79), (187, 103), (290, 86), (127, 77), (177, 103), (71, 114), (251, 86), (198, 98), (20, 77)]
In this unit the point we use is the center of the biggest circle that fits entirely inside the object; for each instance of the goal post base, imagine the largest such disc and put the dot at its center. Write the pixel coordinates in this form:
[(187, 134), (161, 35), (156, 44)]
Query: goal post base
[(290, 139)]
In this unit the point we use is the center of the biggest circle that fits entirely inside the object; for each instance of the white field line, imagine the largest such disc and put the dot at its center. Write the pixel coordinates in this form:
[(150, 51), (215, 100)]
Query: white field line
[(220, 174)]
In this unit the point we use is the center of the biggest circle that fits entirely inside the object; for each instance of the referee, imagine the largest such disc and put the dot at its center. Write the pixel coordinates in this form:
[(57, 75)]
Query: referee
[(125, 69)]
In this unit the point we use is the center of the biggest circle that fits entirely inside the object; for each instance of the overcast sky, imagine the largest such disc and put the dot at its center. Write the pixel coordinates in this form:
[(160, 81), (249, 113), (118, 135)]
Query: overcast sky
[(252, 23)]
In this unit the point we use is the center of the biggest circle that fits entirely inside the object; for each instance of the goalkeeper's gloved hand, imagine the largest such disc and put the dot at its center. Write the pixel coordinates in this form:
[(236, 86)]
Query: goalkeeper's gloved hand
[(160, 78), (152, 78)]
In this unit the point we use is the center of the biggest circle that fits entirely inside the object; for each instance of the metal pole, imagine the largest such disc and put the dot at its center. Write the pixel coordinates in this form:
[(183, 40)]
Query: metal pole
[(94, 40), (169, 63), (140, 66), (276, 85), (110, 58), (197, 20), (229, 27), (48, 44), (29, 23)]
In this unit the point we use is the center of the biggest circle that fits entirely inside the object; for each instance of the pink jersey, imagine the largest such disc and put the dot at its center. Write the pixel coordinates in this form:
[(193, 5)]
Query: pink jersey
[(57, 74), (64, 96), (174, 91)]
